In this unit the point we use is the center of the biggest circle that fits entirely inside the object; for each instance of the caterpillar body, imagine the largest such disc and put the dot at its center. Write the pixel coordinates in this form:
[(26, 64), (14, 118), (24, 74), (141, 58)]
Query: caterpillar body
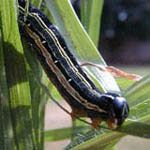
[(62, 68)]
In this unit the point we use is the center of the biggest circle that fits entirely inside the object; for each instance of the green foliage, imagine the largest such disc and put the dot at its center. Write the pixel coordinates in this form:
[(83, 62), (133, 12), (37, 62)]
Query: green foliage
[(90, 17), (16, 85), (22, 119), (24, 87)]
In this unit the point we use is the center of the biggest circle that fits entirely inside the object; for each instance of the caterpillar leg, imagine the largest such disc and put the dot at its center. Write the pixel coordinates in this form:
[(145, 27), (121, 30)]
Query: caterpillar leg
[(77, 113), (96, 122), (112, 124)]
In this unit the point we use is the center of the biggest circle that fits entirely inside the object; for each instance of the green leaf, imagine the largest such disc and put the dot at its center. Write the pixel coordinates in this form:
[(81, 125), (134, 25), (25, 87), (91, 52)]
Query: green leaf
[(70, 26), (64, 133), (86, 6), (17, 79), (90, 17), (139, 91), (37, 3), (6, 135)]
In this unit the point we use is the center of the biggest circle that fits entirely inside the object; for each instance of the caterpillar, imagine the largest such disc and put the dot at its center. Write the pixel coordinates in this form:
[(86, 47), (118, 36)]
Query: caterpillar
[(64, 71)]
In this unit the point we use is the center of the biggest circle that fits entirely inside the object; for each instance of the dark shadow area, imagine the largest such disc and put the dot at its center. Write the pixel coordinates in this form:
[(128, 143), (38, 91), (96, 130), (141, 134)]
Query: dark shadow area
[(125, 32), (14, 65)]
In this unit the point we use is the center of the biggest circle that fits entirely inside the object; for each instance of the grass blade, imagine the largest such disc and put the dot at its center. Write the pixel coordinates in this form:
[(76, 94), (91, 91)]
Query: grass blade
[(138, 92), (64, 133), (37, 3), (16, 76), (90, 16), (86, 13), (6, 134)]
